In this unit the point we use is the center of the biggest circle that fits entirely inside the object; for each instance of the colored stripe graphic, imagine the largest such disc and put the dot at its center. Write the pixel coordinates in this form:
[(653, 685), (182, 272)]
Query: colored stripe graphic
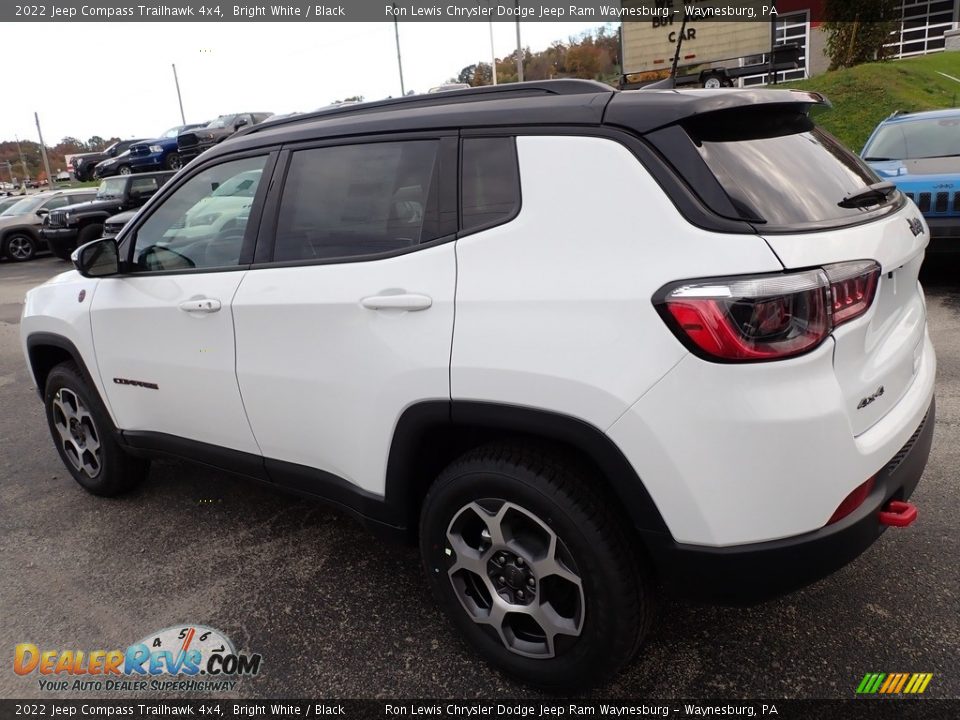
[(894, 683)]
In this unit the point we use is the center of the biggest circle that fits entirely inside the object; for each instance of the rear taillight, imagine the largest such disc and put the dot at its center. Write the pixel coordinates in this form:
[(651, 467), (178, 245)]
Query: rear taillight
[(767, 317), (852, 287)]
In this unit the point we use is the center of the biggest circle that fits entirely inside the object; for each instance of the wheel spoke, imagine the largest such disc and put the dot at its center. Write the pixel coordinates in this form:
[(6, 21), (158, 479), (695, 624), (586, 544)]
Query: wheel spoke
[(553, 624), (468, 558)]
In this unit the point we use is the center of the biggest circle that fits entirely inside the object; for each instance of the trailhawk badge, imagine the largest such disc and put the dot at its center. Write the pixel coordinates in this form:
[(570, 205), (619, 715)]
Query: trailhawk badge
[(916, 226)]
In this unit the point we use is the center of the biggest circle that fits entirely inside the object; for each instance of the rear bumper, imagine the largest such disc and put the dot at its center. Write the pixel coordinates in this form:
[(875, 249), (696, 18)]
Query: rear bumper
[(768, 568)]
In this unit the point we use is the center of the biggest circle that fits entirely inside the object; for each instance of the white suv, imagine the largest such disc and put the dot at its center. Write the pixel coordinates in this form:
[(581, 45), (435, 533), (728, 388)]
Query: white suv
[(581, 342)]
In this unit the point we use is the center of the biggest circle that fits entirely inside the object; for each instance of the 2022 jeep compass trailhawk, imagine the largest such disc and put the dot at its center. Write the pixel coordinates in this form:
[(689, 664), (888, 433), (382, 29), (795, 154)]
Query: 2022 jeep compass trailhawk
[(582, 343)]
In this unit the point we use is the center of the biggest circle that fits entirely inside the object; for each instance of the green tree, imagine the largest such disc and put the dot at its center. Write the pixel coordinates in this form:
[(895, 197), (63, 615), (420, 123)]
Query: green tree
[(858, 30)]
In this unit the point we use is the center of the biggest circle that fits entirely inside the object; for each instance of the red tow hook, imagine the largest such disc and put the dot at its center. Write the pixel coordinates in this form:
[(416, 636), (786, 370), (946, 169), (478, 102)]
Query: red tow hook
[(897, 513)]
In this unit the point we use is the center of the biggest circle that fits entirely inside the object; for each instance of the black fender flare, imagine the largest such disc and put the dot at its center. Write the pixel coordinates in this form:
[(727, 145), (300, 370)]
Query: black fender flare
[(422, 420), (41, 366)]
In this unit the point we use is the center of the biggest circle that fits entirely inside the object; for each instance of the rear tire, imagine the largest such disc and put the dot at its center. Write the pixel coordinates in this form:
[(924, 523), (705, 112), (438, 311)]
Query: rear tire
[(83, 435), (535, 566)]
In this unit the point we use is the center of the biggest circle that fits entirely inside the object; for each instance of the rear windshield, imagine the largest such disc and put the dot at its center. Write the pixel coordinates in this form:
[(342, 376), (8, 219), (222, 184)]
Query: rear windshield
[(915, 139), (779, 170)]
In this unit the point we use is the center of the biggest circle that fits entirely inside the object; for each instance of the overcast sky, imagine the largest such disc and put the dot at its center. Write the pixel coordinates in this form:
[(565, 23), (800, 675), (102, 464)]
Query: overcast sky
[(115, 79)]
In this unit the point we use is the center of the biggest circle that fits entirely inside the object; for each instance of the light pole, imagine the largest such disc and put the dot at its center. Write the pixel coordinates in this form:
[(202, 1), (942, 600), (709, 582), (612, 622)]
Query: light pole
[(493, 56), (519, 49), (396, 34), (43, 152), (183, 118)]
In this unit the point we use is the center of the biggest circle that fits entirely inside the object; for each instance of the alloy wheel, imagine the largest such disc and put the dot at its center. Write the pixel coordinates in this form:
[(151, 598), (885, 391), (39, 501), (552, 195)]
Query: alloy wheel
[(511, 572), (20, 248), (78, 433)]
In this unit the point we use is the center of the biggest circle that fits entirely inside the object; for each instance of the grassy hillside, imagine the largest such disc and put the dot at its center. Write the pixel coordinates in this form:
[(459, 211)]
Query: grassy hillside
[(865, 95)]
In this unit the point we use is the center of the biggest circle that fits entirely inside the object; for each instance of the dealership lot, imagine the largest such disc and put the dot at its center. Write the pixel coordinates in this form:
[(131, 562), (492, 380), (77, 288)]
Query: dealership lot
[(336, 613)]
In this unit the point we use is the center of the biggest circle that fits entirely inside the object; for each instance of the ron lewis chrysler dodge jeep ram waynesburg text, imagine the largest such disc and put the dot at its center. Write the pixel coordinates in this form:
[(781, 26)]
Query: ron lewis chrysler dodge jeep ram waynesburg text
[(579, 342)]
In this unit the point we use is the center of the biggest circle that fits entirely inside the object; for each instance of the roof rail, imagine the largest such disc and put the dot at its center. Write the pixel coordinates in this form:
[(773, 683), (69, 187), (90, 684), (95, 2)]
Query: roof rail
[(448, 97)]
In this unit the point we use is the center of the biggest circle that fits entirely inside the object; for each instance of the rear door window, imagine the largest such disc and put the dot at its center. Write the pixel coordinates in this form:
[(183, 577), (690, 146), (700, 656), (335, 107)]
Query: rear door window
[(360, 200)]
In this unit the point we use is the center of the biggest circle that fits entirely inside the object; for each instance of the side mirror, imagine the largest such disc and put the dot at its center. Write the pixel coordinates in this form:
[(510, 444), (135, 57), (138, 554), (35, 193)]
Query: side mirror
[(239, 123), (99, 258), (42, 211)]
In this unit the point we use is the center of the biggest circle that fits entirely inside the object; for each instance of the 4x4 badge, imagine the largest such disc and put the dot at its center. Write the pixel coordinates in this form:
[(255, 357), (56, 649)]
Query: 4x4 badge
[(870, 398), (916, 227)]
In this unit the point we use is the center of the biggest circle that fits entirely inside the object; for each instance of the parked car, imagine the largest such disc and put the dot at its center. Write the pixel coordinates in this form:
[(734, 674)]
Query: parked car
[(8, 201), (724, 385), (119, 165), (115, 223), (68, 227), (920, 154), (193, 142), (84, 165), (161, 152), (20, 222), (63, 176)]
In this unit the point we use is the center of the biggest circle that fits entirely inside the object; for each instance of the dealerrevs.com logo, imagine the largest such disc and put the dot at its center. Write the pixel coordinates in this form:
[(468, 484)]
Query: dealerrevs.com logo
[(179, 658)]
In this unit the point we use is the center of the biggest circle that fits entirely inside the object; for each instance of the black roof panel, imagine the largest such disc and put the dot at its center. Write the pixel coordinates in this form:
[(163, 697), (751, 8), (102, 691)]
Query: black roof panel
[(548, 102)]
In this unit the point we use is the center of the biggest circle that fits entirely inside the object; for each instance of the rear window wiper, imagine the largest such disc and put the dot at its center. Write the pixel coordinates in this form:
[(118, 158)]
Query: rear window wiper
[(870, 195)]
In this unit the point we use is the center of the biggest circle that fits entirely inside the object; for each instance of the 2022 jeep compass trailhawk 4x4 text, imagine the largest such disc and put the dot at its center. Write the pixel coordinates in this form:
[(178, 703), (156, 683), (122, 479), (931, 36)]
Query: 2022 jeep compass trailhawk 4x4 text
[(579, 342)]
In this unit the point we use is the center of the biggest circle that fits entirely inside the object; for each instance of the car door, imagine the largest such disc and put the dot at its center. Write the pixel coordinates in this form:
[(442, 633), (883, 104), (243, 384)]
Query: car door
[(163, 330), (349, 319)]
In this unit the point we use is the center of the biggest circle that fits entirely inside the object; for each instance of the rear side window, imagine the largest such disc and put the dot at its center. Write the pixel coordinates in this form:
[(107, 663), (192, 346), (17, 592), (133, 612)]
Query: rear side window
[(354, 200), (143, 187), (772, 168), (490, 186)]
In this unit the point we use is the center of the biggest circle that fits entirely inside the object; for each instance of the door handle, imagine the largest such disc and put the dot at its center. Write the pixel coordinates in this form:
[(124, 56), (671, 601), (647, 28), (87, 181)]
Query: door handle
[(406, 301), (201, 305)]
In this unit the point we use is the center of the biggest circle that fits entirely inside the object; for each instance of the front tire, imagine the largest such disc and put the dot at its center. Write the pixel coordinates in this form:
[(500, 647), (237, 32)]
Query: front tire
[(534, 566), (124, 170), (83, 435), (20, 247), (173, 161)]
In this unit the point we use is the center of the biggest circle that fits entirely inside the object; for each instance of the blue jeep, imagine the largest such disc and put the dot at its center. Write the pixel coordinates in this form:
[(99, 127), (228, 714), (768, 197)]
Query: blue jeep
[(920, 154), (160, 153)]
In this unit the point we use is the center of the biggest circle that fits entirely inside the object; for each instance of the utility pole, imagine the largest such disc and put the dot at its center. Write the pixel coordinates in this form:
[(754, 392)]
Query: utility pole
[(396, 34), (43, 151), (23, 163), (183, 118), (493, 55), (519, 49)]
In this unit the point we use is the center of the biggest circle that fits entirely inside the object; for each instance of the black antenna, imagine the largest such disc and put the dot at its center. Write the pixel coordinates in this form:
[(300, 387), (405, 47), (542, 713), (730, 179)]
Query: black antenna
[(676, 55)]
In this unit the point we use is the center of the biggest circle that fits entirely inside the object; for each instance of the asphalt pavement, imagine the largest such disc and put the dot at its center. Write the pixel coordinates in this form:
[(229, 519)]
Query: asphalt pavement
[(336, 613)]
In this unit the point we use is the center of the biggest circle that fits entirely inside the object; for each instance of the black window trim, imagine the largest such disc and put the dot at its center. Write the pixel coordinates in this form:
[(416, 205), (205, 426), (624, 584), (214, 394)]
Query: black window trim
[(476, 133), (449, 168), (127, 238)]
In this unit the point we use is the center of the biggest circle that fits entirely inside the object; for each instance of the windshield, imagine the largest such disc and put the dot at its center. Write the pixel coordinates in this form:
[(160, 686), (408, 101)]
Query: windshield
[(222, 121), (243, 185), (27, 205), (915, 139), (111, 188), (171, 133)]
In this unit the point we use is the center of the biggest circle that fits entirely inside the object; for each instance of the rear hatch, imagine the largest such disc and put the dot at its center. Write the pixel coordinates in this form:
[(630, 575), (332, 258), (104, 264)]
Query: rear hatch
[(815, 203)]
